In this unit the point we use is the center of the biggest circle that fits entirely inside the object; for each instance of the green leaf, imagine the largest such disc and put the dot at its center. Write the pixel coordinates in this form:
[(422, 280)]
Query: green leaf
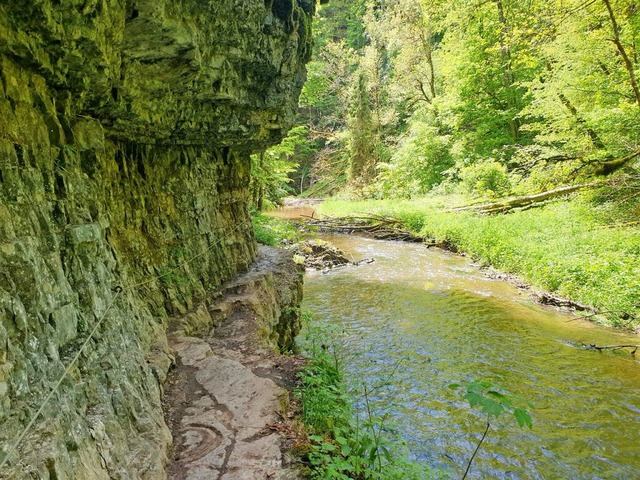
[(345, 450), (474, 398), (523, 417), (341, 440), (491, 407), (328, 447), (373, 454), (502, 398)]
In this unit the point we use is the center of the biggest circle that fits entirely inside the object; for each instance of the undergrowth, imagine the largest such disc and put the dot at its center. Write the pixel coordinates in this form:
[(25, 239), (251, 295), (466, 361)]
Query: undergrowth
[(568, 247), (343, 445), (273, 231)]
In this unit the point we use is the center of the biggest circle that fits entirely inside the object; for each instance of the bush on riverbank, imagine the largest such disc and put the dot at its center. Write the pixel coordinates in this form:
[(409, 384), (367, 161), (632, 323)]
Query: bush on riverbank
[(273, 231), (344, 446), (567, 247)]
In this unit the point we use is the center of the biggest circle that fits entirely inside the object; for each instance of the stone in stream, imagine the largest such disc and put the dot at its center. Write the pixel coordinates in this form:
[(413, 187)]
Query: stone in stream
[(321, 255)]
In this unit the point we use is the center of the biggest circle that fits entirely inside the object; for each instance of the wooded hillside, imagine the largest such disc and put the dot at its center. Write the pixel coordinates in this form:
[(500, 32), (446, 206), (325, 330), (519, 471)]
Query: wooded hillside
[(490, 97)]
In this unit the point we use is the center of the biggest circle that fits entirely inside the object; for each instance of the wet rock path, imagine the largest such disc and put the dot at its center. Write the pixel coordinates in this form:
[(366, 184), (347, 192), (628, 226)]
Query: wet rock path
[(228, 389)]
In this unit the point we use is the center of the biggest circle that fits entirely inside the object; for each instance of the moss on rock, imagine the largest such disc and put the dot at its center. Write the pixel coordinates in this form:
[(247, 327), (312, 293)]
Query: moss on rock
[(125, 130)]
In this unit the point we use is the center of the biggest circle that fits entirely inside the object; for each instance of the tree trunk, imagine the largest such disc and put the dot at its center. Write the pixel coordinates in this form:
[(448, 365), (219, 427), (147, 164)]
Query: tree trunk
[(505, 206), (507, 76), (593, 135), (622, 51)]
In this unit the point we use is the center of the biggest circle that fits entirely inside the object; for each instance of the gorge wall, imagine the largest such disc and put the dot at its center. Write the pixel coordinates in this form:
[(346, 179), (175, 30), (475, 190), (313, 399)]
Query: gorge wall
[(125, 133)]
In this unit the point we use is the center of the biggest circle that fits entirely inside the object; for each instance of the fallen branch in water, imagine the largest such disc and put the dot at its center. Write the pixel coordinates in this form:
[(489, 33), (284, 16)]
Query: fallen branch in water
[(623, 315), (548, 299), (600, 348), (378, 226)]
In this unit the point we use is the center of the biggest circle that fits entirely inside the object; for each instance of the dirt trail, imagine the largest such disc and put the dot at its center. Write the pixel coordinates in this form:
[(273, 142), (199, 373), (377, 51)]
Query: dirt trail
[(228, 391)]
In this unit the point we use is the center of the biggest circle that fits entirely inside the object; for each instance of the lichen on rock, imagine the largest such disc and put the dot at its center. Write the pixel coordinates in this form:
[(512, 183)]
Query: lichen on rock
[(125, 131)]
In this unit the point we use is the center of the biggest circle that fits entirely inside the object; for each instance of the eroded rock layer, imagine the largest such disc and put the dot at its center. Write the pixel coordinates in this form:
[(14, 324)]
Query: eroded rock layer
[(125, 129)]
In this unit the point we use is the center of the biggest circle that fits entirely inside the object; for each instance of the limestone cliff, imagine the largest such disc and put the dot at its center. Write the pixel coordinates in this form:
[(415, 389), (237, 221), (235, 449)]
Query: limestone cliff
[(125, 130)]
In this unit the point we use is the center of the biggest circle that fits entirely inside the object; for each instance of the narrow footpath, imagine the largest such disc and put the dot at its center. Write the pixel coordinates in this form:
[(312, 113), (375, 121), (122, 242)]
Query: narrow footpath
[(229, 391)]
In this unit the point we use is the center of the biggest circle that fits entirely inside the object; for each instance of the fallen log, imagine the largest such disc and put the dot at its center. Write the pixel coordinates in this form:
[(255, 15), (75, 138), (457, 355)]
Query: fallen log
[(610, 166), (504, 206)]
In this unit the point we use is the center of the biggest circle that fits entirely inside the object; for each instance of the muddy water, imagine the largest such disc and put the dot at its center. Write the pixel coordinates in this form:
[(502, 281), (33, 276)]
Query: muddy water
[(421, 319), (293, 212)]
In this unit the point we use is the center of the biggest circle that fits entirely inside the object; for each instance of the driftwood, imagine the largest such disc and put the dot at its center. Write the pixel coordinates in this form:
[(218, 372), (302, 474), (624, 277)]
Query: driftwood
[(377, 226), (601, 348), (548, 299), (527, 201)]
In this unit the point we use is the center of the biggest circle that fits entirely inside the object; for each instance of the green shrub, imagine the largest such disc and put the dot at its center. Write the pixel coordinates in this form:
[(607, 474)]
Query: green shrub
[(417, 165), (273, 231), (488, 179), (341, 446)]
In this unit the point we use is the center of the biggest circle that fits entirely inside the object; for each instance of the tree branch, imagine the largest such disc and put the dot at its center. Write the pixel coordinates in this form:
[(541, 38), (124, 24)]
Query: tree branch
[(634, 348)]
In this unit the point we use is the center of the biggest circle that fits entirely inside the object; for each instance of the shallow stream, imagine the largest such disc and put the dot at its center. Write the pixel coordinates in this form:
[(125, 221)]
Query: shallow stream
[(421, 319)]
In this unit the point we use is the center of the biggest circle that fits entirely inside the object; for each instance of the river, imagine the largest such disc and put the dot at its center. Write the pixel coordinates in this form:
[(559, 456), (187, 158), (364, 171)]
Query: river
[(420, 319)]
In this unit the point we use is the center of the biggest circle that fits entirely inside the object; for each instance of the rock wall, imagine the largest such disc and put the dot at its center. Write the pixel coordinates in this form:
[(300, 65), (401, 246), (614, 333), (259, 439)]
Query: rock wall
[(125, 130)]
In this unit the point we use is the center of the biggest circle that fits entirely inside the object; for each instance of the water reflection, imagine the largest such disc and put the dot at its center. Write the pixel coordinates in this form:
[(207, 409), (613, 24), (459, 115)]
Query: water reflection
[(442, 321)]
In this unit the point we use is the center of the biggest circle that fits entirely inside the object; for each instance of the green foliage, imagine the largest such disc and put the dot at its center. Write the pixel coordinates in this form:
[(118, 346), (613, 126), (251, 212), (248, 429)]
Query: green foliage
[(270, 170), (582, 103), (494, 401), (273, 231), (340, 20), (407, 90), (316, 91), (418, 163), (486, 179), (342, 447)]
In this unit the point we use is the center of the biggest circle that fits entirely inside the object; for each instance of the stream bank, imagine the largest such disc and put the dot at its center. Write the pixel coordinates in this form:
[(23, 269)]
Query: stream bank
[(569, 248), (419, 319)]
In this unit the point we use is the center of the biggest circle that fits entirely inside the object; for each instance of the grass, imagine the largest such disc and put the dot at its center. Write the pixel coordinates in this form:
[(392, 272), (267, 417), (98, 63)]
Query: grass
[(566, 247), (344, 446)]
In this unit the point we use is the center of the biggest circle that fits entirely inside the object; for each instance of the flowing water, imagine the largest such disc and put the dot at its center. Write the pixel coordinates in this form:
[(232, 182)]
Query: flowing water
[(422, 319)]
